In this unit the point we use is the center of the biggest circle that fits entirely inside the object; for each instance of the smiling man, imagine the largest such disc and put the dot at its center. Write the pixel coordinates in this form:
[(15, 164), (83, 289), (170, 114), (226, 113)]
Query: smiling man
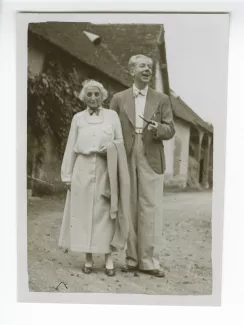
[(145, 154)]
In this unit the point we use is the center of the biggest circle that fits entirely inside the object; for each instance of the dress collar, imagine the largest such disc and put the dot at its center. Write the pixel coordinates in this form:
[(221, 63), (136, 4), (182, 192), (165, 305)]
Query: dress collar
[(94, 111)]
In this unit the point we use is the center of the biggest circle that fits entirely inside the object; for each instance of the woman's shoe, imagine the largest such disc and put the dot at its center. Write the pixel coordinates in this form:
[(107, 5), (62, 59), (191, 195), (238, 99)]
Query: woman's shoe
[(109, 272), (87, 269)]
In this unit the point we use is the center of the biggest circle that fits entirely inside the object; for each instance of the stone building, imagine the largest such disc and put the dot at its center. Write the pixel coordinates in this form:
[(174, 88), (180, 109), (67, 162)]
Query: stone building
[(102, 52)]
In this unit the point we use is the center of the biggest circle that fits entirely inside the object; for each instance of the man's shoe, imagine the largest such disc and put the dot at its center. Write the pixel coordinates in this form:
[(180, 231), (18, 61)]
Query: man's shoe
[(156, 273), (128, 268)]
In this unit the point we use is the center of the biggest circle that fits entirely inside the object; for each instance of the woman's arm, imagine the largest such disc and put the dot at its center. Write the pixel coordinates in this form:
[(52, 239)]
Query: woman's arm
[(69, 154)]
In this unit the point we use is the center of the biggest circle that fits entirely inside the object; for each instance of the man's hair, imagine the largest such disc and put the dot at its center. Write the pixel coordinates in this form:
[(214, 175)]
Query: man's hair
[(134, 59)]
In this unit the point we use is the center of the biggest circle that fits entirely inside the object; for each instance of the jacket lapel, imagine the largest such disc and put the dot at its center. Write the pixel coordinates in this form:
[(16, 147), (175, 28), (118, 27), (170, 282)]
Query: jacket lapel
[(129, 105), (151, 106)]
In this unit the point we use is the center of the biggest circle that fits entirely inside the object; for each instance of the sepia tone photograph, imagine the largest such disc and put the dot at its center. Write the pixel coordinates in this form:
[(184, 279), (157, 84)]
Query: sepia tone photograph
[(120, 157)]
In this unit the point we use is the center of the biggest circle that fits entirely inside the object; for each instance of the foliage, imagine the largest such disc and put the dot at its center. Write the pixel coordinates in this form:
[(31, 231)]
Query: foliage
[(52, 102)]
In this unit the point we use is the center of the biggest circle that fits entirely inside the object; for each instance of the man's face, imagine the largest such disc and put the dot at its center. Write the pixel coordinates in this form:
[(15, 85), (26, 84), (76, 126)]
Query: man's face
[(93, 97), (142, 70)]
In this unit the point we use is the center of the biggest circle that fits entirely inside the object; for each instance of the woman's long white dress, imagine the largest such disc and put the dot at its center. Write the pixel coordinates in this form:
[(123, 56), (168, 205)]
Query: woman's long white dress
[(87, 225)]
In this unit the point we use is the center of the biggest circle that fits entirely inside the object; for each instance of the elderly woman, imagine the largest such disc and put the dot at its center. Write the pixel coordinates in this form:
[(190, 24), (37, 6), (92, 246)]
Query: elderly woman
[(87, 224)]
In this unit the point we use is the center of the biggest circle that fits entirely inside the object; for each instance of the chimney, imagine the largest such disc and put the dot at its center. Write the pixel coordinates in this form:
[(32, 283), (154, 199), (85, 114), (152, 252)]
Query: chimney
[(95, 39)]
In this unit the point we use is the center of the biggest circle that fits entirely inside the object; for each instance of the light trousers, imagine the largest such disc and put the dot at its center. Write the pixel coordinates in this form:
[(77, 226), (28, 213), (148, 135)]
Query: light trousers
[(146, 210)]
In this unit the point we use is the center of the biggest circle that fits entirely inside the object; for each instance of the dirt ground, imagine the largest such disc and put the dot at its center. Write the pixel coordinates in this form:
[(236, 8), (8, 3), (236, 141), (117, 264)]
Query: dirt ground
[(185, 254)]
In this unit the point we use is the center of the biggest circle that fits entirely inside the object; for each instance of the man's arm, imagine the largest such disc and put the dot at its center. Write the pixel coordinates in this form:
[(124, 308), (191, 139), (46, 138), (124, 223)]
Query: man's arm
[(165, 130)]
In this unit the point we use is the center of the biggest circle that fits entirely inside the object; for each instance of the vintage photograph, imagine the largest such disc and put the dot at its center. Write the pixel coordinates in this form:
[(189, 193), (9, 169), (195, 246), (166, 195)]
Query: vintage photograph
[(119, 163)]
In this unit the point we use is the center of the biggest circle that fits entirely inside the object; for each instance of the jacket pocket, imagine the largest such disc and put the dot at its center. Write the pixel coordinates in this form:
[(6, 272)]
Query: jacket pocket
[(155, 161)]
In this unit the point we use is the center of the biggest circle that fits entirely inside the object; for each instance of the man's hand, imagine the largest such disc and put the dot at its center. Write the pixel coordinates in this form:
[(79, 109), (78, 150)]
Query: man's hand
[(152, 126)]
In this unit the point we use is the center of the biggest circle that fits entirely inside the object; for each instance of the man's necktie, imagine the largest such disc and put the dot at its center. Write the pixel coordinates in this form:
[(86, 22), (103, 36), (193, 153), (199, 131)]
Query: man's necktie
[(137, 92)]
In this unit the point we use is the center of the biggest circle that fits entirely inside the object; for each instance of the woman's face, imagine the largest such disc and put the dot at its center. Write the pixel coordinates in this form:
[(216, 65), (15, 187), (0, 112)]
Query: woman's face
[(93, 97)]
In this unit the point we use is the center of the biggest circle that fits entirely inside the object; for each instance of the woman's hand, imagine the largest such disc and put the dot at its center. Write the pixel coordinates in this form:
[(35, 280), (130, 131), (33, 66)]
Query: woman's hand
[(68, 186), (103, 151)]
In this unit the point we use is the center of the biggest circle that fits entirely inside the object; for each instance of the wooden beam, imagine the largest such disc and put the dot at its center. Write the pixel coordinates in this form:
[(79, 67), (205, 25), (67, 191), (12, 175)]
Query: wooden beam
[(205, 182), (163, 61)]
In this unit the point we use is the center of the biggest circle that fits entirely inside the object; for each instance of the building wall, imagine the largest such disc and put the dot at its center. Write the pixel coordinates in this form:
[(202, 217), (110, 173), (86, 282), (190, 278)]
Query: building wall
[(183, 132), (35, 60), (158, 78), (49, 170), (168, 145), (176, 149), (177, 156)]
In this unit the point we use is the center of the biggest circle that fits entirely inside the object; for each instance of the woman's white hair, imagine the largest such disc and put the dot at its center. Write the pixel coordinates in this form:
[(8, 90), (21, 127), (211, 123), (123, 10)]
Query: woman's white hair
[(93, 83), (135, 58)]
